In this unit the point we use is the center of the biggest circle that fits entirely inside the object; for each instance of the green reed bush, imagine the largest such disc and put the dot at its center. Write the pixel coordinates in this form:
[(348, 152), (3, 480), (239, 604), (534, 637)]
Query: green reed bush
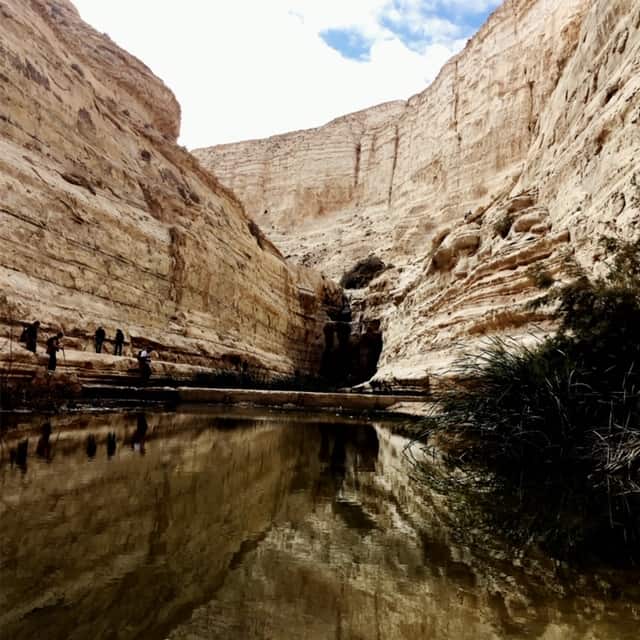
[(574, 399)]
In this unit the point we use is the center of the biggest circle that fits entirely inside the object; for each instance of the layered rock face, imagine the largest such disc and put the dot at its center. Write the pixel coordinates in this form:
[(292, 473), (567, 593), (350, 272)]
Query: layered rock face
[(511, 165), (106, 221)]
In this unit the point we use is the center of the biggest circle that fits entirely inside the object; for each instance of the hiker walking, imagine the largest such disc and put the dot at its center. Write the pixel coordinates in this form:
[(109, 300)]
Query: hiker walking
[(53, 346), (30, 335), (119, 341), (99, 339)]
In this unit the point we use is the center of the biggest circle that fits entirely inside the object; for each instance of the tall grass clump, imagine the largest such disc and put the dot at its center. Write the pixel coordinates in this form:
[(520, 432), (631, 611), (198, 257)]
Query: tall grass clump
[(572, 401), (555, 428)]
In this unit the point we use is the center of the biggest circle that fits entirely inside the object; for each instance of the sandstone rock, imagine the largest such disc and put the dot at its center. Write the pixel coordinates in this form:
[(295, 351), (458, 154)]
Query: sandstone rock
[(443, 258), (466, 240), (526, 222), (541, 228), (105, 221), (537, 118)]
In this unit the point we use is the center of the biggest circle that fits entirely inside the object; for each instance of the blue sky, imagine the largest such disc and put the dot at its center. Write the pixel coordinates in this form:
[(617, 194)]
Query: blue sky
[(246, 69), (350, 43), (416, 24)]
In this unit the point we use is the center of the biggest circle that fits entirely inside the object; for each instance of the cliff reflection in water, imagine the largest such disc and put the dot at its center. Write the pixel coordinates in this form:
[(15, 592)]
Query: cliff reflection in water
[(264, 526)]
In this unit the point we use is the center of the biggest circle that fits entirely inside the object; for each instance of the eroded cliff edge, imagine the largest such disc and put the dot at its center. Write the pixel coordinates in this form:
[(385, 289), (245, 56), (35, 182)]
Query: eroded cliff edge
[(106, 221), (520, 155)]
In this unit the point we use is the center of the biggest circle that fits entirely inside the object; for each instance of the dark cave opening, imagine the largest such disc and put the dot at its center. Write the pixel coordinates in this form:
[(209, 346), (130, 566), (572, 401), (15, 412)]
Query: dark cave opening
[(351, 353)]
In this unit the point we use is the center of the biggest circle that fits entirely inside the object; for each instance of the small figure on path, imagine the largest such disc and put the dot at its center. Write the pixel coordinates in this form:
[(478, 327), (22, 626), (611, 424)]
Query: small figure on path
[(119, 341), (99, 339), (30, 334), (53, 346), (144, 361)]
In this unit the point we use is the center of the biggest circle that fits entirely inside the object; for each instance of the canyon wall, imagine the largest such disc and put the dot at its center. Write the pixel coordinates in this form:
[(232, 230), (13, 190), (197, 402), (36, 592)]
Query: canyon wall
[(519, 156), (106, 221)]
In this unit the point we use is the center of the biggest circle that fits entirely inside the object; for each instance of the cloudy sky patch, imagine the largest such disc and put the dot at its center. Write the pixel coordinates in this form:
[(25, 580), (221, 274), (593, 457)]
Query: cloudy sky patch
[(350, 43), (245, 69)]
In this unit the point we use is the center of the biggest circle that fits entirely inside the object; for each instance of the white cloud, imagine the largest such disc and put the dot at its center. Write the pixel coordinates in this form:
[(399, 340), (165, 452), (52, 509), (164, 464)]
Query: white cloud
[(473, 6), (246, 68)]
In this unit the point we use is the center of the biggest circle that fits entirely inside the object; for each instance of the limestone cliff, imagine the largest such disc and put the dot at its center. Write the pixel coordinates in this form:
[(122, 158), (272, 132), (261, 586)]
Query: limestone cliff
[(105, 220), (520, 155)]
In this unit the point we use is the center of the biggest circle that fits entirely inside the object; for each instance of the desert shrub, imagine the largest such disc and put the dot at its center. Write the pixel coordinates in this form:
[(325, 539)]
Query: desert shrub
[(557, 426), (574, 400)]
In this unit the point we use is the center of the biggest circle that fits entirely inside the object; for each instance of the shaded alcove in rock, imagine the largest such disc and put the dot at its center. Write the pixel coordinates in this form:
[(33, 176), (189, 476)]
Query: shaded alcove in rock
[(352, 351), (362, 273)]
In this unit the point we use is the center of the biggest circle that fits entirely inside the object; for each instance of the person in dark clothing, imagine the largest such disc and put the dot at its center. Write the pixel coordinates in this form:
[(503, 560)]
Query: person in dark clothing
[(53, 346), (99, 339), (144, 362), (117, 351), (31, 336)]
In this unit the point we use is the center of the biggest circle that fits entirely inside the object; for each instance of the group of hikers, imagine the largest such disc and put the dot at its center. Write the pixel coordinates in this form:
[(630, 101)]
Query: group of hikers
[(118, 342), (54, 344)]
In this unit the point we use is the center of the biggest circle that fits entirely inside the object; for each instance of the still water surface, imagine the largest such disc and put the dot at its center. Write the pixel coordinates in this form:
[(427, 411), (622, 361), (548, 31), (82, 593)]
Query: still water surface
[(244, 525)]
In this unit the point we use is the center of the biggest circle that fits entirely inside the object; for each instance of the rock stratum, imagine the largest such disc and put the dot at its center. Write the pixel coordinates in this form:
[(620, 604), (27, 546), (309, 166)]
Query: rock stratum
[(510, 166), (106, 221)]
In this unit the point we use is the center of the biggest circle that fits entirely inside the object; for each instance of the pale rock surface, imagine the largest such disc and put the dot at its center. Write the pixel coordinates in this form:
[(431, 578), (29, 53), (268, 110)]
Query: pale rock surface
[(536, 122), (105, 220)]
